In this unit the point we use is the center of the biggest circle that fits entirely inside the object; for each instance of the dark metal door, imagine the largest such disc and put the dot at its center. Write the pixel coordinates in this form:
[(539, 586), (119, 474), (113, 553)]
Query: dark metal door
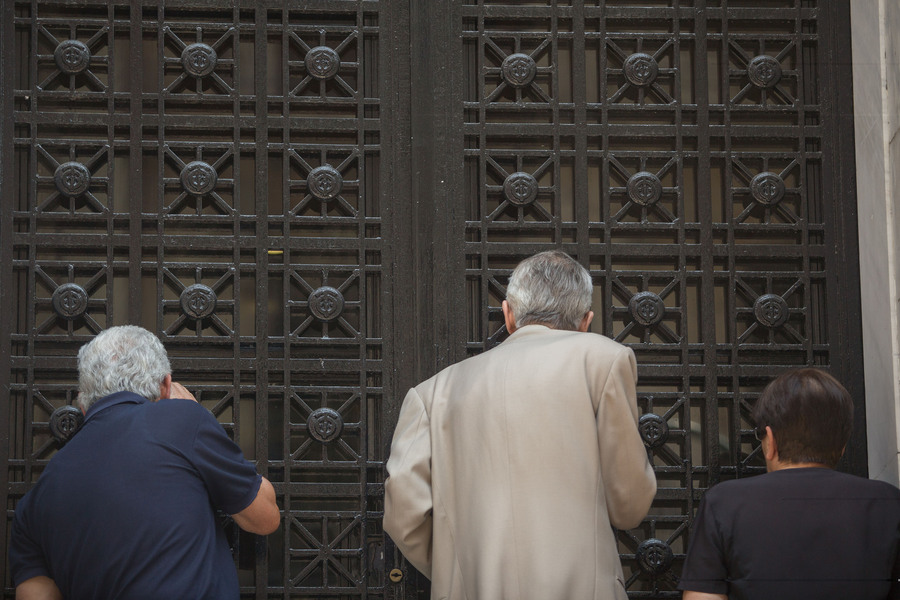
[(317, 204)]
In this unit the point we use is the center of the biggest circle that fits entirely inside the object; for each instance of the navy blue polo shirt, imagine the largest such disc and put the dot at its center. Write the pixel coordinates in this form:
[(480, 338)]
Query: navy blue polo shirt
[(126, 508)]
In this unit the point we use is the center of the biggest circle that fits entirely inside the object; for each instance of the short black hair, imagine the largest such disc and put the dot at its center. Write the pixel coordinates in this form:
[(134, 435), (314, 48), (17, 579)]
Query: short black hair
[(810, 413)]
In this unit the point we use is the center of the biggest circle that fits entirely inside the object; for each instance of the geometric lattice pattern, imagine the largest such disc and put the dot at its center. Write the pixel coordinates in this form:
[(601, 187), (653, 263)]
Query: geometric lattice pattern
[(676, 152), (271, 188), (212, 174)]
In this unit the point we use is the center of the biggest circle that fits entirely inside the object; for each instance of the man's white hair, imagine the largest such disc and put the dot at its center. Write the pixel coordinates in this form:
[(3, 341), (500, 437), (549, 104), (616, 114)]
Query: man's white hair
[(550, 288), (121, 359)]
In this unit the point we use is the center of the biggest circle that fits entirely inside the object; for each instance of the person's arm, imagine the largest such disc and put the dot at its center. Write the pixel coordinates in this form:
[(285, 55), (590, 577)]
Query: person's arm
[(232, 482), (704, 575), (628, 479), (407, 490), (38, 588), (262, 516), (688, 595)]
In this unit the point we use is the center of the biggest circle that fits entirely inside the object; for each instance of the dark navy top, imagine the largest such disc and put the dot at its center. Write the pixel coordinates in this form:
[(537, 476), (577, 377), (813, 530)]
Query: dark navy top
[(126, 508), (795, 534)]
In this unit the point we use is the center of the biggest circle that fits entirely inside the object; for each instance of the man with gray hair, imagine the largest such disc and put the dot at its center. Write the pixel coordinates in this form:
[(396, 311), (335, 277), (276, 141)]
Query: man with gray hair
[(126, 509), (508, 468)]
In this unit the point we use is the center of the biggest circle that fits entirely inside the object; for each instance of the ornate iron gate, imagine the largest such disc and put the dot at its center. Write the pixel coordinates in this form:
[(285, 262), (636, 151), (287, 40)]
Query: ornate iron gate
[(316, 204)]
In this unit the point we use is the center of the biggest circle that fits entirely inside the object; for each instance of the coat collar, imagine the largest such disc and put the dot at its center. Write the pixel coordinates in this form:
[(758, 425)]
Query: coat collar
[(113, 400), (534, 330)]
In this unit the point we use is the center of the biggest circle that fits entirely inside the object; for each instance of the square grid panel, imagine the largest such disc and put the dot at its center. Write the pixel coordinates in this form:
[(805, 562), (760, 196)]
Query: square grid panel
[(675, 150), (212, 175)]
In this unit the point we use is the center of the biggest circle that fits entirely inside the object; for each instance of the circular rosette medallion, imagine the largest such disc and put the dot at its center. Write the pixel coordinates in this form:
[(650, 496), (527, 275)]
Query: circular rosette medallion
[(654, 557), (520, 188), (767, 188), (65, 423), (654, 430), (646, 308), (72, 179), (198, 301), (322, 62), (640, 69), (326, 303), (770, 310), (325, 425), (325, 182), (764, 71), (70, 301), (644, 188), (198, 178), (72, 57), (518, 70), (199, 60)]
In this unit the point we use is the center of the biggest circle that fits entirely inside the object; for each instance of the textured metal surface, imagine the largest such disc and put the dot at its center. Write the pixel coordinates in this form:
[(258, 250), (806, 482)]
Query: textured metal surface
[(688, 154), (211, 171), (318, 205)]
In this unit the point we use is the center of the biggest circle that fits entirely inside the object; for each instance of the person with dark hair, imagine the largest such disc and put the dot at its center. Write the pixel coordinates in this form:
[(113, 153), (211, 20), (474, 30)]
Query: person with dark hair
[(507, 469), (127, 508), (802, 530)]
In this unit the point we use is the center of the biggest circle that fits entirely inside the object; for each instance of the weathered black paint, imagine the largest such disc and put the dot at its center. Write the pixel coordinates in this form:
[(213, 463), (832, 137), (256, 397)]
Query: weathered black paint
[(317, 205)]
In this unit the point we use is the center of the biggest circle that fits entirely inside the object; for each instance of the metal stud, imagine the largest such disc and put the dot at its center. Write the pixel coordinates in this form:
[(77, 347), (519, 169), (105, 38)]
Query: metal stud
[(518, 70), (770, 310), (767, 188), (654, 557), (198, 178), (646, 308), (70, 301), (326, 303), (764, 71), (199, 60), (72, 57), (640, 69), (65, 423), (198, 301), (325, 425), (644, 188), (654, 430), (72, 179), (322, 62), (325, 182), (520, 188)]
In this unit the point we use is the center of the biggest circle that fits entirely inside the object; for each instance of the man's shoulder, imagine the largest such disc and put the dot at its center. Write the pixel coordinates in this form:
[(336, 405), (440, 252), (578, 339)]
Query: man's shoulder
[(870, 488), (746, 490), (538, 345), (735, 488), (176, 418), (180, 406), (540, 339), (831, 482)]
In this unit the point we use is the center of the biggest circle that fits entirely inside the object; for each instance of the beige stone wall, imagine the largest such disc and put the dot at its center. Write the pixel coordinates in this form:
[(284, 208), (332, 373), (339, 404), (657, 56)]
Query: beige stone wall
[(876, 98)]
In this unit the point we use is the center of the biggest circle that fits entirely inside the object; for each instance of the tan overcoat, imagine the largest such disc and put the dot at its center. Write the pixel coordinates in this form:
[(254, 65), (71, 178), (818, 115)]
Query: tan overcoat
[(507, 469)]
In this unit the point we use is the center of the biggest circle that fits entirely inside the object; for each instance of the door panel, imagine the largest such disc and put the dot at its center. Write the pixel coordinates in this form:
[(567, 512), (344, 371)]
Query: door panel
[(686, 153), (316, 205), (215, 176)]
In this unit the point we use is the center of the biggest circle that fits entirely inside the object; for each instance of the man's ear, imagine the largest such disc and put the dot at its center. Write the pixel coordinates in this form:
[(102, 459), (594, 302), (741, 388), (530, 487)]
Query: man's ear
[(165, 387), (508, 317), (770, 448), (586, 321)]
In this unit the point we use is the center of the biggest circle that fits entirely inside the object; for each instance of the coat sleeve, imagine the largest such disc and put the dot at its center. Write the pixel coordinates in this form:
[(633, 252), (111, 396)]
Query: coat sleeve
[(407, 490), (628, 478)]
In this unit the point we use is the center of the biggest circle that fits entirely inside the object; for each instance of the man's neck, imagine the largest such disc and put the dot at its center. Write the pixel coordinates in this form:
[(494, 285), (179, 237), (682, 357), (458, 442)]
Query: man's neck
[(778, 465)]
